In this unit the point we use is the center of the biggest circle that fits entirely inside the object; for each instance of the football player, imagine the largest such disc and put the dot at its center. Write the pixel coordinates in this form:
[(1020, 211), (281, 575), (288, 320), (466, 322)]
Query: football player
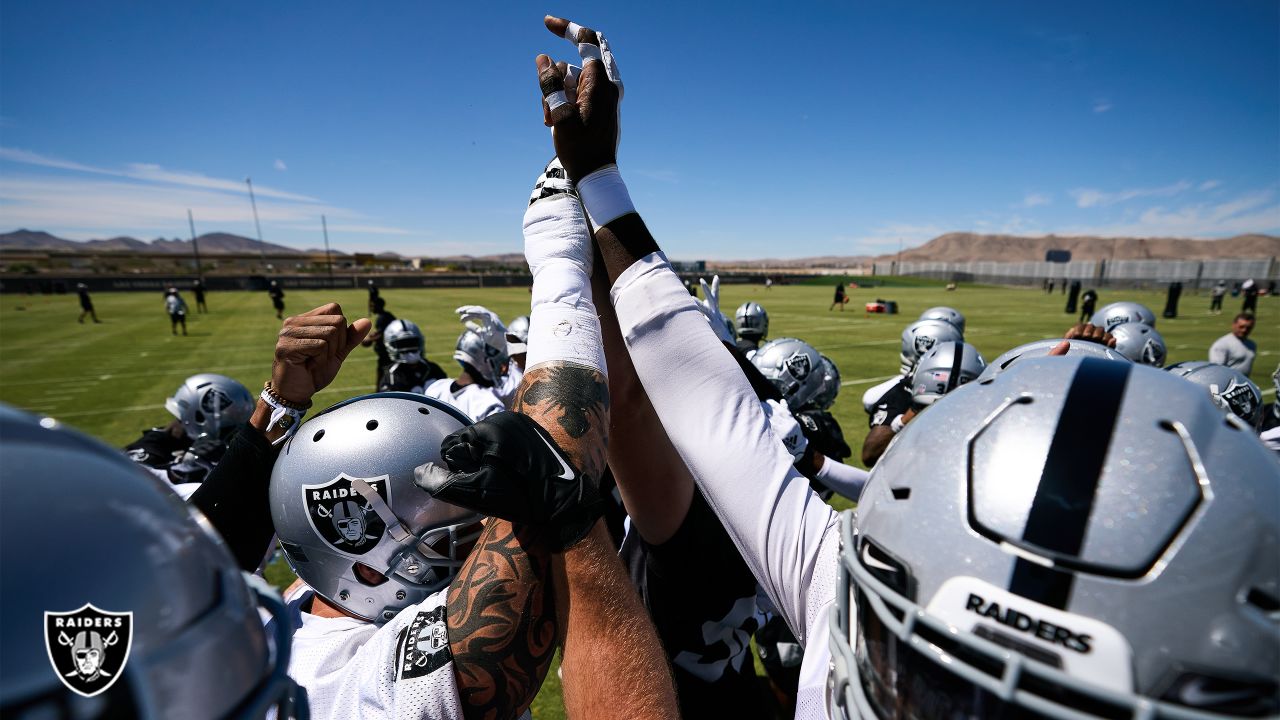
[(943, 369), (482, 353), (1269, 428), (517, 347), (752, 324), (86, 303), (276, 293), (404, 611), (1230, 389), (410, 370), (176, 307), (207, 409), (1046, 621), (382, 318), (145, 616), (1140, 343), (889, 404), (198, 290)]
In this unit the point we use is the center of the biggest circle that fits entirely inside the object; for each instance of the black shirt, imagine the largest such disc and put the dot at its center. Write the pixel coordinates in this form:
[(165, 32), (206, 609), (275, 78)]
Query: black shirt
[(85, 302), (410, 377), (895, 401), (702, 598), (183, 460), (823, 432)]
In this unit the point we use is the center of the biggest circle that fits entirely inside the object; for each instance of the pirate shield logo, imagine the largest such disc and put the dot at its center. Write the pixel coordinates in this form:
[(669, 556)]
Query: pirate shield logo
[(923, 344), (1240, 399), (798, 365), (88, 647), (343, 517)]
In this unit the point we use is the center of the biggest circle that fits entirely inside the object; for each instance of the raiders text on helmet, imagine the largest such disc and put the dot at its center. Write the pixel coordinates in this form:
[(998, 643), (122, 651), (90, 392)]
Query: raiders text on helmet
[(1078, 538), (208, 404), (945, 314), (1140, 343), (119, 600), (752, 321), (342, 493), (920, 336), (794, 367), (1229, 388), (944, 368), (404, 342), (1118, 313)]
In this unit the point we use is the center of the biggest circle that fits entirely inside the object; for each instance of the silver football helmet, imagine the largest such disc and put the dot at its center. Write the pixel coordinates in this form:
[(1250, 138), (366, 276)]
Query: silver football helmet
[(403, 341), (352, 524), (518, 336), (208, 404), (488, 359), (1079, 538), (1140, 343), (946, 314), (173, 630), (1118, 313), (794, 367), (752, 321), (826, 397), (1041, 348), (1229, 388), (944, 368), (920, 336)]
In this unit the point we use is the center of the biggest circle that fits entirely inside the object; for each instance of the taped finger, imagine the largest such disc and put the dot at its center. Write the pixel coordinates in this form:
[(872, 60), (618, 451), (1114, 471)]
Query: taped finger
[(571, 75), (551, 81), (610, 63)]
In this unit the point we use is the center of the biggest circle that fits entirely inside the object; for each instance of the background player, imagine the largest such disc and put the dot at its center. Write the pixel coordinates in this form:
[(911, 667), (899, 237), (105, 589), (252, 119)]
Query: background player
[(86, 303), (177, 309), (207, 409), (382, 319), (276, 293), (198, 290), (410, 370), (482, 354), (752, 324)]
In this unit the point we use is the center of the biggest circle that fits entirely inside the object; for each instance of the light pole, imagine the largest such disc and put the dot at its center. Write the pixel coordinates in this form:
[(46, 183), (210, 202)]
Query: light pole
[(195, 244), (327, 257), (262, 253)]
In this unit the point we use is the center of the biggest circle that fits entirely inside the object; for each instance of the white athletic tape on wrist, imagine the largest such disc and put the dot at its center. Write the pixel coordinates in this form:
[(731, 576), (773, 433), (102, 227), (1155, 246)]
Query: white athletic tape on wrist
[(896, 425), (560, 333), (605, 195), (588, 53), (555, 100), (557, 246)]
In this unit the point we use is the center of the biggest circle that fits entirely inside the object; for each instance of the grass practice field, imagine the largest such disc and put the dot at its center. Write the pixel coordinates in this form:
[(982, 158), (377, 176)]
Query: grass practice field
[(111, 380)]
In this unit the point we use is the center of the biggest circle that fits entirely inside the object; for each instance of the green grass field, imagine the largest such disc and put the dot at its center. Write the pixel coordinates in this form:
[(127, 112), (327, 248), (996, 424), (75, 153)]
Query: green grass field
[(111, 380)]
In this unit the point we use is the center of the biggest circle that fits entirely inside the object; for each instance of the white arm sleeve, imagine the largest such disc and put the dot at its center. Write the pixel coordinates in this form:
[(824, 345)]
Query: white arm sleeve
[(786, 534), (845, 480)]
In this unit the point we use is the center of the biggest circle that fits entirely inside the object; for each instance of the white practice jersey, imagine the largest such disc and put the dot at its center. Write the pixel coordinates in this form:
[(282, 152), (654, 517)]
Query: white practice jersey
[(506, 390), (355, 669), (474, 401), (785, 533)]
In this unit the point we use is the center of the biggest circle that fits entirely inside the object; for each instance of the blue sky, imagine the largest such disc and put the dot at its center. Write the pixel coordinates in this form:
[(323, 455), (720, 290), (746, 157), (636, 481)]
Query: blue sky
[(750, 129)]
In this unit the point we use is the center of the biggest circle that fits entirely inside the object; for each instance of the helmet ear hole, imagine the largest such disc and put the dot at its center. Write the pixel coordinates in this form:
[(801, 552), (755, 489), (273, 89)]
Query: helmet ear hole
[(367, 575)]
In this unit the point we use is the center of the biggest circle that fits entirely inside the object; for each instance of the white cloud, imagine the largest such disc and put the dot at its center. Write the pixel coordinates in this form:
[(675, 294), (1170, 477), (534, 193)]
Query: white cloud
[(279, 165), (148, 172), (1090, 197), (1209, 185), (1101, 105), (1036, 199), (1250, 213)]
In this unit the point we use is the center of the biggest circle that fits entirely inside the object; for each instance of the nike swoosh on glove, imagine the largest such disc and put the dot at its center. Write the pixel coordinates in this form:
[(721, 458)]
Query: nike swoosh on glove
[(508, 467)]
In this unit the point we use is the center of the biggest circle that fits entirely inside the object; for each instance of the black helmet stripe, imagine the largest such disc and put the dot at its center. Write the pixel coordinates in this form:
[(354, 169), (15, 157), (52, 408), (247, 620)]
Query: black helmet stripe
[(1059, 514), (957, 358)]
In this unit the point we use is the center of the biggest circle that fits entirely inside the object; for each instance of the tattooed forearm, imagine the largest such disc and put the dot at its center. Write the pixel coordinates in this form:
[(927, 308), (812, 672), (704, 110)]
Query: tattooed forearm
[(572, 403), (502, 622)]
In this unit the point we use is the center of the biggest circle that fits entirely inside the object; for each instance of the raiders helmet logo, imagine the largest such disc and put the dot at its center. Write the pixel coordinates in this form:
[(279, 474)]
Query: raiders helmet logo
[(1152, 353), (1114, 320), (343, 517), (1239, 398), (88, 647), (924, 344), (798, 365)]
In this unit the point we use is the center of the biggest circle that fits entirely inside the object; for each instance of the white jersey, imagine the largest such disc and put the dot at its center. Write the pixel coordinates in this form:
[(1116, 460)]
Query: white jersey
[(785, 533), (355, 669), (506, 390), (871, 397), (474, 401), (174, 304)]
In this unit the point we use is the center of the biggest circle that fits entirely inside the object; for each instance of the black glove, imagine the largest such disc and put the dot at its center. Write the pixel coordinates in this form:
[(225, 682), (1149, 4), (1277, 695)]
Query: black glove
[(508, 467)]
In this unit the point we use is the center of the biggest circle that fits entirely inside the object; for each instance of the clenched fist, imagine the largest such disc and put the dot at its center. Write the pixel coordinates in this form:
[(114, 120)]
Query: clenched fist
[(310, 351)]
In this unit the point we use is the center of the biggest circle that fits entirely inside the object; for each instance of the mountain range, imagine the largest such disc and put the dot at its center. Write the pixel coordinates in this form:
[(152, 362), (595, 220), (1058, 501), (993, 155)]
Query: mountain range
[(951, 247)]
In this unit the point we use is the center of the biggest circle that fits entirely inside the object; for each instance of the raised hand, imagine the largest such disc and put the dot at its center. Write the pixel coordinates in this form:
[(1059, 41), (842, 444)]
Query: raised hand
[(582, 108), (310, 351), (710, 306), (1090, 333)]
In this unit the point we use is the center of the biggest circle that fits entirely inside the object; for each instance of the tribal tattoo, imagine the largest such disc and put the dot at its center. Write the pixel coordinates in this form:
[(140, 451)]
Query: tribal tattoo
[(574, 398), (502, 622)]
